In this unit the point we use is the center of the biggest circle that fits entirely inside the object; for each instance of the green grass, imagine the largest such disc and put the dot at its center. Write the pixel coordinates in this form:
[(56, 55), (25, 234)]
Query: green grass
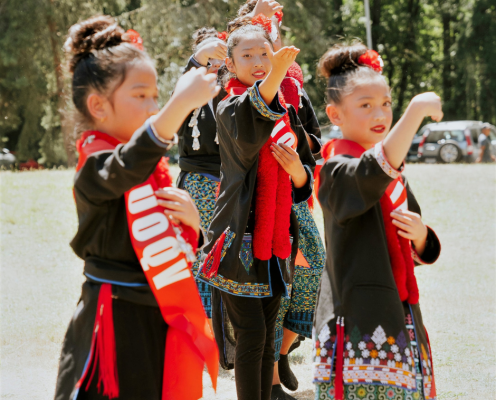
[(40, 281)]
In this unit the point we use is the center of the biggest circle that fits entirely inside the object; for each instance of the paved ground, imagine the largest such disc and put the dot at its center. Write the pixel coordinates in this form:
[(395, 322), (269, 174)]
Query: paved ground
[(40, 282)]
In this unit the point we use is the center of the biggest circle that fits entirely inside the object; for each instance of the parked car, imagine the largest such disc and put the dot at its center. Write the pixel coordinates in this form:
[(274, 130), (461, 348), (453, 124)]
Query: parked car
[(332, 132), (448, 142), (7, 159)]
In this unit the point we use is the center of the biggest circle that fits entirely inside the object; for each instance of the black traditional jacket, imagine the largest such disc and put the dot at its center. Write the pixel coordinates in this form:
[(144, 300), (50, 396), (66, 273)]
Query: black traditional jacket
[(102, 239), (245, 123), (206, 158), (358, 284)]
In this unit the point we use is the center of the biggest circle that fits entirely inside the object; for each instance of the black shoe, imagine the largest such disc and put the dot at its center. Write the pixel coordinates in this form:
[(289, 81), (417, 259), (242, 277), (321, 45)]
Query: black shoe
[(285, 374), (279, 394)]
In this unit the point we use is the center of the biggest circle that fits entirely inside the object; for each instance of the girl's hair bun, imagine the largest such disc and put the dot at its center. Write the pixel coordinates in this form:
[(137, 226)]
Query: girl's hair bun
[(95, 33), (201, 35), (341, 58)]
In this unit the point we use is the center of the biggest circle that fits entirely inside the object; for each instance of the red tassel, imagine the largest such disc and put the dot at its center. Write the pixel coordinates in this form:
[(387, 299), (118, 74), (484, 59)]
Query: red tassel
[(215, 255), (103, 346), (338, 380)]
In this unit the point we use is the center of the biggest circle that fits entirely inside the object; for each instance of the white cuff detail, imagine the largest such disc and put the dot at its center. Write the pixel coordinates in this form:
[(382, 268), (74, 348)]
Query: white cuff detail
[(383, 162)]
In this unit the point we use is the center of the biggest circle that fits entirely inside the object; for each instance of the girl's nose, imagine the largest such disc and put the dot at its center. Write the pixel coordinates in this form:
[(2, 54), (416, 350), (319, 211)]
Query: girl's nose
[(153, 109)]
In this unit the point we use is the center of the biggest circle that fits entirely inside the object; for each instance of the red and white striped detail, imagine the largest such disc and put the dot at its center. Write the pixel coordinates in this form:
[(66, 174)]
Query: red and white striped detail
[(397, 193)]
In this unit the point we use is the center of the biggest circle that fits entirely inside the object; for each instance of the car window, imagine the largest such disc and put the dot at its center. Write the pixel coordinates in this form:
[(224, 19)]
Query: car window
[(436, 136), (474, 133)]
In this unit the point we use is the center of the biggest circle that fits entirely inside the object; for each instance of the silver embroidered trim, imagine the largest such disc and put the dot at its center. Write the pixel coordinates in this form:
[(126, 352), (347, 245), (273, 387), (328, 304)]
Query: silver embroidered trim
[(193, 123), (383, 162)]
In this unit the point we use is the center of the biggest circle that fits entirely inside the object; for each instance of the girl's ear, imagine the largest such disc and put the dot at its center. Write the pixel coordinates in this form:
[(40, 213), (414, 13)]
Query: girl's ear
[(96, 105), (230, 65), (334, 115)]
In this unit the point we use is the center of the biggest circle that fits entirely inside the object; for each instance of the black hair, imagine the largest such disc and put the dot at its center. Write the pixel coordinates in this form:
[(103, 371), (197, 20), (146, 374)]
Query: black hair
[(340, 66), (101, 55)]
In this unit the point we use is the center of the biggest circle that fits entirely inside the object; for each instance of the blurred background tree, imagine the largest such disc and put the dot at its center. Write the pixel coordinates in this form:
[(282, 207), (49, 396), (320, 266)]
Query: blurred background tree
[(448, 46)]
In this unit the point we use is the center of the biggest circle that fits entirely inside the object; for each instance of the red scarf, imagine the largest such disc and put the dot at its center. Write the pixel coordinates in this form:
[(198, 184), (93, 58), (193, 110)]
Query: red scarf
[(273, 198), (395, 197), (160, 246)]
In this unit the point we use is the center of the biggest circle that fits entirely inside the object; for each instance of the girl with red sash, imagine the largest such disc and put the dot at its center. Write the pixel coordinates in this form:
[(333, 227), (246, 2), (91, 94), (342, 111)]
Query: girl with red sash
[(132, 335), (369, 338), (295, 316), (253, 238)]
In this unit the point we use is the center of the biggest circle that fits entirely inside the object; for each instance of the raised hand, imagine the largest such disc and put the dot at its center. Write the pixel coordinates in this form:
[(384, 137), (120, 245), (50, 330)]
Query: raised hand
[(215, 49), (195, 88), (282, 59), (430, 105), (267, 8)]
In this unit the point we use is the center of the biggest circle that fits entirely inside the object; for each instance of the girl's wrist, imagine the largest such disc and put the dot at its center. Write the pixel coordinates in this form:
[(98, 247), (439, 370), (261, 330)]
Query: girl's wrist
[(300, 178), (201, 57)]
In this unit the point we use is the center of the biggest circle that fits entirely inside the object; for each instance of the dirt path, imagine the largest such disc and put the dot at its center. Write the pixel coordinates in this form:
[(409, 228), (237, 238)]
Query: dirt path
[(40, 282)]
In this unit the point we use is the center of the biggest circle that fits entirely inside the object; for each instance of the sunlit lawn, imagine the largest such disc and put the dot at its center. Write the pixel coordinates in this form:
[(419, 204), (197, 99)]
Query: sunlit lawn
[(41, 278)]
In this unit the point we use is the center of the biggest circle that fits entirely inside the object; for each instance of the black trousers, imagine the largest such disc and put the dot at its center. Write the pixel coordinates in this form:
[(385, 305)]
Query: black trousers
[(253, 321)]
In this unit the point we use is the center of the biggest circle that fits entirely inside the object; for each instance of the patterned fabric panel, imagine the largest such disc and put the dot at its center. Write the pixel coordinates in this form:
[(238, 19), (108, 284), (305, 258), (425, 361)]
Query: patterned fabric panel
[(374, 358), (203, 192), (246, 253), (257, 102), (240, 289), (309, 241)]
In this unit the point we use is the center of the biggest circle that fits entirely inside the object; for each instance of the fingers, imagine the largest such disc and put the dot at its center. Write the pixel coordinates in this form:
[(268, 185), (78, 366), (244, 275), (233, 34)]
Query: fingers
[(406, 235), (282, 153), (403, 226)]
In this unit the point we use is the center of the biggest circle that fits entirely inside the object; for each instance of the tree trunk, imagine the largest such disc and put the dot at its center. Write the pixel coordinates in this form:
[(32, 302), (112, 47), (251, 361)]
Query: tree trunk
[(376, 23), (446, 78), (338, 19), (65, 123)]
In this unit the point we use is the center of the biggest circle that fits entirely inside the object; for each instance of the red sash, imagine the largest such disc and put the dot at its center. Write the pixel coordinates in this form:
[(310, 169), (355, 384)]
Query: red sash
[(163, 250), (273, 198)]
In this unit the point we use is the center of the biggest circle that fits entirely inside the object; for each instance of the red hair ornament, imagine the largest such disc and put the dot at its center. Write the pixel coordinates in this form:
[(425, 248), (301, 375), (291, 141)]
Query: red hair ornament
[(268, 25), (135, 39), (222, 36), (371, 59)]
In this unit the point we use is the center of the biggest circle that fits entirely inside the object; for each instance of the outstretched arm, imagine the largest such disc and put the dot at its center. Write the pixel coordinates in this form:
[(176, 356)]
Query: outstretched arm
[(398, 141), (280, 61)]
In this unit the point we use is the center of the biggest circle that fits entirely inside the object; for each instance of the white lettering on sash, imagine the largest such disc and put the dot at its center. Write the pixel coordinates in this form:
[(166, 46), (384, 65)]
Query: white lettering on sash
[(277, 128), (141, 199), (160, 252), (149, 226), (288, 139), (174, 273)]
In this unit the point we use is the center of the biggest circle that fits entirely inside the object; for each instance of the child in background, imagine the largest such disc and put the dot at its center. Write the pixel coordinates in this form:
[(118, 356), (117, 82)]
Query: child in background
[(266, 166), (199, 157), (370, 341), (132, 335), (296, 314)]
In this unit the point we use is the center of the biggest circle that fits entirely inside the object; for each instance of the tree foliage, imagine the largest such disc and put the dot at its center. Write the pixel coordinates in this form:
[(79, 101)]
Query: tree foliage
[(448, 46)]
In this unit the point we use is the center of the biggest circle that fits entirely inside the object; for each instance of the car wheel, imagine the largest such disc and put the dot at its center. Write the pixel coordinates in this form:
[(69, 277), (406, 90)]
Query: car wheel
[(449, 153)]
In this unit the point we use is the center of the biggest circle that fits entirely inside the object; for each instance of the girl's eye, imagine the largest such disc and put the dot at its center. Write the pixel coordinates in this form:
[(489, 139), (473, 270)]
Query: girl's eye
[(387, 104), (247, 55), (264, 54), (366, 105)]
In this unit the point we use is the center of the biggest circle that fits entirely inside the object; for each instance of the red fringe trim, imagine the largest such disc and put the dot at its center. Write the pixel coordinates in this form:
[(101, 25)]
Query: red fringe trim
[(215, 254), (103, 346), (338, 381)]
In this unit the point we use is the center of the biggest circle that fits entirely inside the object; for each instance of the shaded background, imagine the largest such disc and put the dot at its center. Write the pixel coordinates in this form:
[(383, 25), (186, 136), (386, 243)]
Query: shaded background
[(448, 46)]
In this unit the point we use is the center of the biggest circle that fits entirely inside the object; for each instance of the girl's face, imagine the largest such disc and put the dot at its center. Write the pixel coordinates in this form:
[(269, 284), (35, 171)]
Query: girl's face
[(364, 116), (131, 104), (250, 62)]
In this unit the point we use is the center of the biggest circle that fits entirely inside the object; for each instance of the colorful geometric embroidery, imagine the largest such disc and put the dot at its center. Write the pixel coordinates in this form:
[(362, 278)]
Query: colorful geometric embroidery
[(374, 358), (229, 238), (203, 192), (257, 102), (246, 253), (296, 314), (383, 162), (230, 286)]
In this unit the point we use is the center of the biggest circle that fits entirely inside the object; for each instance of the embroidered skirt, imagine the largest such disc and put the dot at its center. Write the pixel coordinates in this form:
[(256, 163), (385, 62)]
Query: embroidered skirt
[(296, 313), (391, 349), (203, 190)]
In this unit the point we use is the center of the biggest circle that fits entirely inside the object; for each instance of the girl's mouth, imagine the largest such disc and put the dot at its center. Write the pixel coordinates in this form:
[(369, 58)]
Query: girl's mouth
[(259, 74), (378, 129)]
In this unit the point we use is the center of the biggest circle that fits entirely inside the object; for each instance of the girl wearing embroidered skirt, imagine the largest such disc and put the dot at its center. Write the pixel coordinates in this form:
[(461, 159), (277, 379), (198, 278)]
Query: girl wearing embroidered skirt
[(198, 147), (370, 341), (266, 166), (295, 315), (132, 335)]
